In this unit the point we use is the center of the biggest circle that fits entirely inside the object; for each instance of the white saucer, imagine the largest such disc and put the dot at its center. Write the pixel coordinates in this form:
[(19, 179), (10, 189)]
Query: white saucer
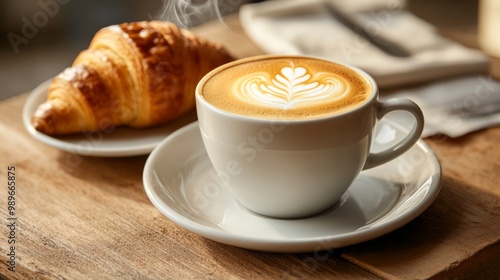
[(180, 181), (119, 142)]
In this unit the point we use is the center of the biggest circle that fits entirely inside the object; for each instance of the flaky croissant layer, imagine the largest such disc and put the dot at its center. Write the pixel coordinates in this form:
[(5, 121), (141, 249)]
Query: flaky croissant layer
[(137, 74)]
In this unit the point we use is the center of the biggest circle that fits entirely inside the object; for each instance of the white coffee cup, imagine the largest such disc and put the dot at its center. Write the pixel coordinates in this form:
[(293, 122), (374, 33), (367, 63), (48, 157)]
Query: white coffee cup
[(289, 168)]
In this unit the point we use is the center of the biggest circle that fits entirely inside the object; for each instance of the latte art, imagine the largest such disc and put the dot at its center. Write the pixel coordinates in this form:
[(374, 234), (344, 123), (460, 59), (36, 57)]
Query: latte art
[(285, 87), (293, 85)]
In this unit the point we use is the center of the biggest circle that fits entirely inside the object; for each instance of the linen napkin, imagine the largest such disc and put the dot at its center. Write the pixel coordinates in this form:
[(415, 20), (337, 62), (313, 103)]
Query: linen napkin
[(454, 92)]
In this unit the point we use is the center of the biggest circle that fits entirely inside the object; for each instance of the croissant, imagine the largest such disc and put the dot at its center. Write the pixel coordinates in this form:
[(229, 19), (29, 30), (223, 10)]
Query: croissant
[(137, 74)]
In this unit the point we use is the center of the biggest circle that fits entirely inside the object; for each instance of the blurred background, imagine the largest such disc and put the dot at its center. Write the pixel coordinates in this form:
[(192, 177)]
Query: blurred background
[(41, 38)]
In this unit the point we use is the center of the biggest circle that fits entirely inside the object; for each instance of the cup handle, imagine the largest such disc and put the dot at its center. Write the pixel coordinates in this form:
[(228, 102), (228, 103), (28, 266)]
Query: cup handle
[(384, 107)]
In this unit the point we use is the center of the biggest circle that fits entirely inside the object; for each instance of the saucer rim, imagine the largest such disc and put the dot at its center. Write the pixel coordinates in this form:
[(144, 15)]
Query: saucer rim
[(289, 245)]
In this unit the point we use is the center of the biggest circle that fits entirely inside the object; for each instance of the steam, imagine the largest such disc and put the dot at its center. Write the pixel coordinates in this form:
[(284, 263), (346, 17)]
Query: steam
[(188, 13)]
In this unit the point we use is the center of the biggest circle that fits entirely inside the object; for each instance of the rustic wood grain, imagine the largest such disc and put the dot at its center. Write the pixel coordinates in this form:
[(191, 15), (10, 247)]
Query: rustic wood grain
[(457, 236)]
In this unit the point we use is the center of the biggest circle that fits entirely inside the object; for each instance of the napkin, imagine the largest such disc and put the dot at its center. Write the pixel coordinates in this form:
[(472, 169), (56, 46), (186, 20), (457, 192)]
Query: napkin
[(306, 27), (454, 106), (454, 92)]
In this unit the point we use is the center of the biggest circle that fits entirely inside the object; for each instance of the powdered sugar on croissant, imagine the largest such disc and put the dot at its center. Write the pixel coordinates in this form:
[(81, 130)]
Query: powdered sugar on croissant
[(137, 74)]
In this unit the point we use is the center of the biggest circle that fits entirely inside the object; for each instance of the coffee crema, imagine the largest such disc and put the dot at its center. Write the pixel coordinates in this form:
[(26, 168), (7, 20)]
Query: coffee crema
[(286, 88)]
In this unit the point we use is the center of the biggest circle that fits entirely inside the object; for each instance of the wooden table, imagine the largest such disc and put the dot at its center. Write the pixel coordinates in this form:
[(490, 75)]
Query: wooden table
[(91, 219)]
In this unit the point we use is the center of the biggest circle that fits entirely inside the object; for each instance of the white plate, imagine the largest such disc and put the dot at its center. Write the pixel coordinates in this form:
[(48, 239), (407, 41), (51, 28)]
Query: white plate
[(180, 181), (119, 142)]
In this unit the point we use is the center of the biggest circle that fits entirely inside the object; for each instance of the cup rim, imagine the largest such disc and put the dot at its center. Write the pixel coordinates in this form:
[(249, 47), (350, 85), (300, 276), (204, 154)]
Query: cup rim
[(206, 77)]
